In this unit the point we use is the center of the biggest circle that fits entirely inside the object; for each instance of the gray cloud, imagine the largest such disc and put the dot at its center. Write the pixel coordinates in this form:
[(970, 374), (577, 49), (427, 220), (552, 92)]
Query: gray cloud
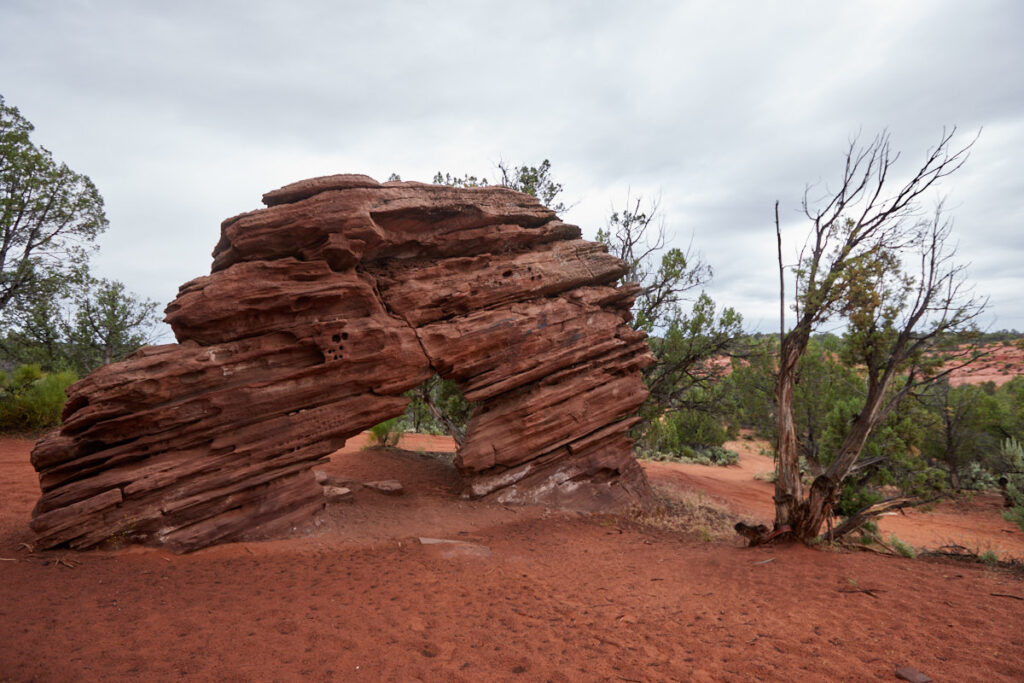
[(184, 113)]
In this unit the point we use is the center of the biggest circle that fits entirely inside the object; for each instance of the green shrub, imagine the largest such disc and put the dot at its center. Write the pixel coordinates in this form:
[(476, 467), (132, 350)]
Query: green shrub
[(1015, 515), (855, 497), (691, 436), (712, 456), (32, 401), (901, 547), (721, 456), (1013, 460), (24, 376), (989, 557), (975, 477), (386, 434)]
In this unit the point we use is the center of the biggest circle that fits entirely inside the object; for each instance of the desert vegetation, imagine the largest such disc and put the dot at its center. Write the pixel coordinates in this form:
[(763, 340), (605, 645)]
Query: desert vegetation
[(57, 320), (860, 416), (872, 414)]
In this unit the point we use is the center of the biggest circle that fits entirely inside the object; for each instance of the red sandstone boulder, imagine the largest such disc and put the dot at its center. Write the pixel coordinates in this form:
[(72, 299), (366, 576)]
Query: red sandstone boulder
[(320, 311)]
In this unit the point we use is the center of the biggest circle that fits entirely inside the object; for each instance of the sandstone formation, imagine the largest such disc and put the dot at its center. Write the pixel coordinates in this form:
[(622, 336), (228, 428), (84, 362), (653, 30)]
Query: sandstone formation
[(319, 312)]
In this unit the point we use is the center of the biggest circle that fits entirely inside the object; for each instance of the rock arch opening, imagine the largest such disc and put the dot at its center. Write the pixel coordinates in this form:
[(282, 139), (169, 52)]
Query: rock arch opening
[(321, 310), (438, 406)]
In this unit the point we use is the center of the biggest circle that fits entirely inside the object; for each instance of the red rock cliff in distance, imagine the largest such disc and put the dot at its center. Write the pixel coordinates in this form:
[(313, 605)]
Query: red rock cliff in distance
[(319, 312)]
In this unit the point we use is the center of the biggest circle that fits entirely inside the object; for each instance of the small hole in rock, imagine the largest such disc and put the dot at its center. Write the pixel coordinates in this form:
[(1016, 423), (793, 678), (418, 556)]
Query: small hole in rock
[(336, 338)]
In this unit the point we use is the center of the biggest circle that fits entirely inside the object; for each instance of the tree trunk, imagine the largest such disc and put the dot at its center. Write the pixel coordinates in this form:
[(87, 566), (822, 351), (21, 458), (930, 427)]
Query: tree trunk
[(825, 489), (954, 475), (453, 429), (788, 487)]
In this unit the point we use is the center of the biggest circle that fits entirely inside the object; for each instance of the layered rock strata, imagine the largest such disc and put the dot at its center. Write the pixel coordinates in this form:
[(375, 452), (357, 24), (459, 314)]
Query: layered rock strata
[(319, 312)]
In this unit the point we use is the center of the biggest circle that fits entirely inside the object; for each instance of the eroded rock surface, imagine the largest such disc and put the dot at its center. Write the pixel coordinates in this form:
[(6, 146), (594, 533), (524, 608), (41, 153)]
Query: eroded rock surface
[(319, 312)]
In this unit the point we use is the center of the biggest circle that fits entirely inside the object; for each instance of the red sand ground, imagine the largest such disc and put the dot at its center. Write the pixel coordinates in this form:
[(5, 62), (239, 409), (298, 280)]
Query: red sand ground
[(530, 596)]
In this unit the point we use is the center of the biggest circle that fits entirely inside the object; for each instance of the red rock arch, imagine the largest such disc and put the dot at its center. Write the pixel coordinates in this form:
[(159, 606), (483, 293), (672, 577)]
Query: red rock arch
[(319, 312)]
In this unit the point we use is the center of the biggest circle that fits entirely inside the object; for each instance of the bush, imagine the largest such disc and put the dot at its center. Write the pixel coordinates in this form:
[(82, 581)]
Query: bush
[(713, 455), (31, 401), (1013, 459), (720, 456), (901, 547), (989, 557), (691, 436), (1015, 515), (975, 477), (855, 497), (386, 434)]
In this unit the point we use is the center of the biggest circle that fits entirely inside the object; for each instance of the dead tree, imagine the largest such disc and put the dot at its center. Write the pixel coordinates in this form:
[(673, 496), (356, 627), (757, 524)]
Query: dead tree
[(873, 260)]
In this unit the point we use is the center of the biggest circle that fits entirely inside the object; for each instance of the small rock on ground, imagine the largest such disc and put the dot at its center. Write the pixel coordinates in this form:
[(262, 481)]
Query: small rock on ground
[(338, 494), (911, 674), (389, 487)]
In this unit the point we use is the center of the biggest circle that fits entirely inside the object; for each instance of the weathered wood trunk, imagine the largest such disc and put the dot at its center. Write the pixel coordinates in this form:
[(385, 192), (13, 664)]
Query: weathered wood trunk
[(788, 486), (825, 490)]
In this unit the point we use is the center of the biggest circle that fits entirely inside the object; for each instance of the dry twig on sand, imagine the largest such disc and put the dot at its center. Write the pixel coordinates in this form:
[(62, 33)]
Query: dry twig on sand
[(869, 591), (65, 561)]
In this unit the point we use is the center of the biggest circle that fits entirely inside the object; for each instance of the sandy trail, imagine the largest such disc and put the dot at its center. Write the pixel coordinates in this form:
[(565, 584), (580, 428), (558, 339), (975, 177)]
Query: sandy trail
[(531, 596)]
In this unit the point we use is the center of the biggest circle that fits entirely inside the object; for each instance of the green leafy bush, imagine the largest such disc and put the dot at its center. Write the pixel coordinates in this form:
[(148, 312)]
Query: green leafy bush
[(989, 557), (712, 455), (31, 401), (386, 434), (901, 547), (975, 477), (1013, 459), (687, 435), (855, 497)]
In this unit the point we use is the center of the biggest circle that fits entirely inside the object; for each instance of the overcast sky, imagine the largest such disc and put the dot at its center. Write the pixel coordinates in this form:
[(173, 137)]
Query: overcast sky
[(184, 113)]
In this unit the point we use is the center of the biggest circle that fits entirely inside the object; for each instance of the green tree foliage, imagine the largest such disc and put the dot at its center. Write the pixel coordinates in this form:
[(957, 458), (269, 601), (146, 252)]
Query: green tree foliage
[(78, 323), (109, 324), (386, 434), (949, 437), (49, 215), (52, 312), (1011, 407), (535, 181), (828, 394), (749, 387), (689, 435), (825, 395), (438, 407), (685, 342), (963, 427)]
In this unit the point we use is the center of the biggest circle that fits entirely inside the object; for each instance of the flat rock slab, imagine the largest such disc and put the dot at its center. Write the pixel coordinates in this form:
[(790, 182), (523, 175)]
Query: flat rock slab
[(389, 487), (338, 494)]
